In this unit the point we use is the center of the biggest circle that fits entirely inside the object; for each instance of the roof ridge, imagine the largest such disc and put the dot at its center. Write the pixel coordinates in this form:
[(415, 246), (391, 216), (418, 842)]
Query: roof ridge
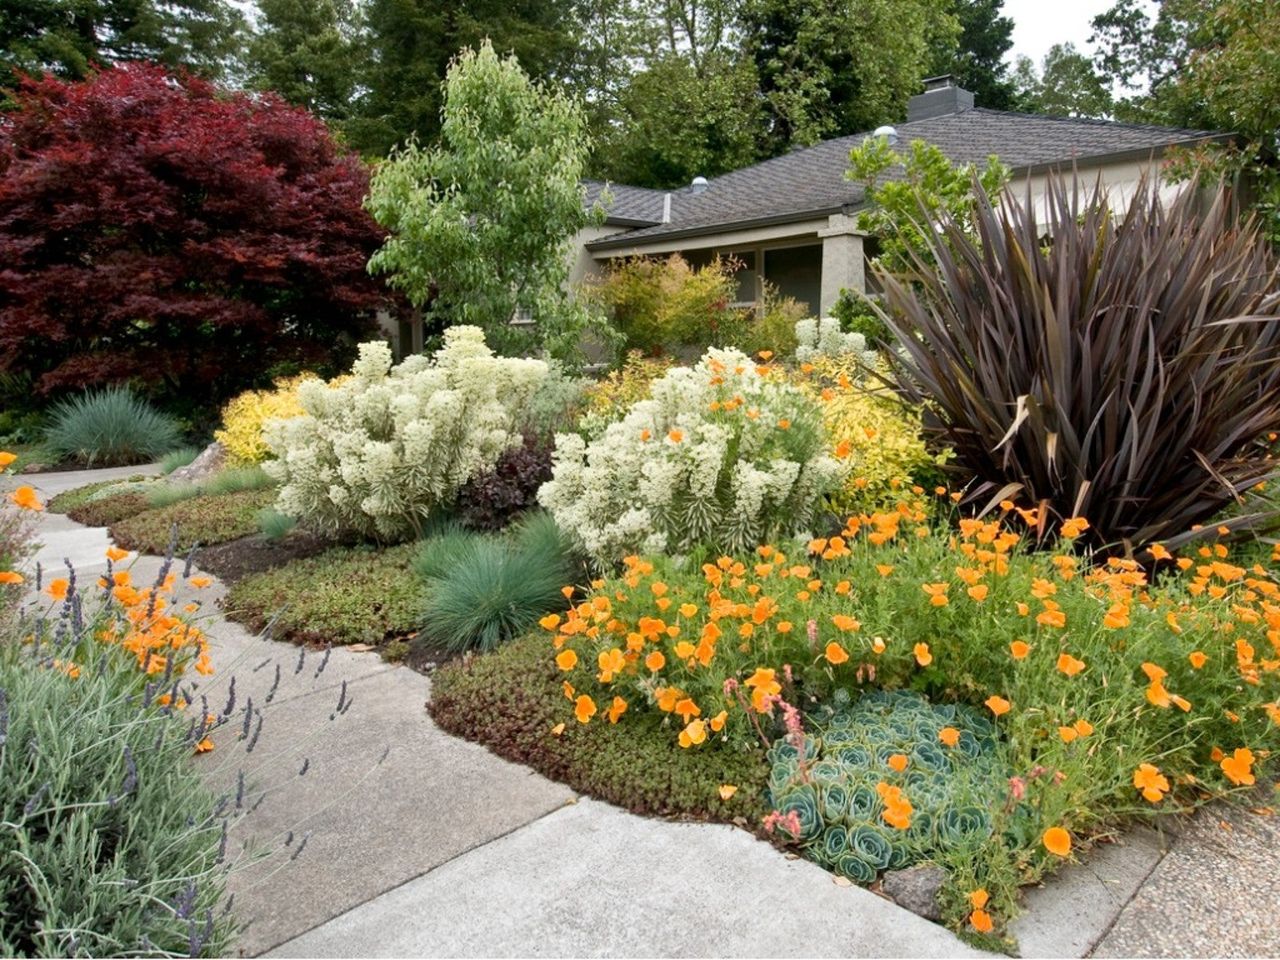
[(1094, 121)]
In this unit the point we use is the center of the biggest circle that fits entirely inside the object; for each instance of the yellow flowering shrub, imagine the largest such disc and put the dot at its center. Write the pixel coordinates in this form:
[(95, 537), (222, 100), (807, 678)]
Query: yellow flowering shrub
[(1117, 687), (609, 398), (244, 415), (882, 436)]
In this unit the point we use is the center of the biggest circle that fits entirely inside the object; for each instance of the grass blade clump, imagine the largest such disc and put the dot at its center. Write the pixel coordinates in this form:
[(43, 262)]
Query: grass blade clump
[(110, 427), (274, 525), (484, 590), (182, 457)]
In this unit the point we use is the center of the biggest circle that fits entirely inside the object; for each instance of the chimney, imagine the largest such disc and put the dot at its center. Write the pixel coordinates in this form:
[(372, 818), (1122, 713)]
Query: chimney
[(666, 208), (941, 97)]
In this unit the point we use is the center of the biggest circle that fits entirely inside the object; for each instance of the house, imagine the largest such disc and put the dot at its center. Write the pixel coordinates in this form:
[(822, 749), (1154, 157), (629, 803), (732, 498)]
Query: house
[(791, 220)]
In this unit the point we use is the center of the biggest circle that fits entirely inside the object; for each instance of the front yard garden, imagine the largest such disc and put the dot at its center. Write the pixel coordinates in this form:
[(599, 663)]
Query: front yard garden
[(1030, 603)]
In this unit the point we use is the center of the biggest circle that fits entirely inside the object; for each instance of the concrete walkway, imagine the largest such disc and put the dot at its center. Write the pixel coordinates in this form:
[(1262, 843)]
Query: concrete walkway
[(422, 844)]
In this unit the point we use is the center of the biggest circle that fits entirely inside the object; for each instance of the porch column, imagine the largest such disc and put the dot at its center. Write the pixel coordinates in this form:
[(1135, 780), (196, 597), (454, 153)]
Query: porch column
[(843, 261)]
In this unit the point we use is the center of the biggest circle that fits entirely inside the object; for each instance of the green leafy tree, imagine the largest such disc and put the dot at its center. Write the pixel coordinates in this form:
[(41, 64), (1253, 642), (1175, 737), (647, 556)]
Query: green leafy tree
[(480, 224), (308, 51), (833, 69), (926, 188), (66, 37), (410, 46), (1066, 85), (677, 120), (976, 58), (1208, 65)]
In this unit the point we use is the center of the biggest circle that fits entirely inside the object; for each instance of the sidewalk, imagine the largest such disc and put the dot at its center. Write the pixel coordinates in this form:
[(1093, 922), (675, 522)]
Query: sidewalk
[(442, 849)]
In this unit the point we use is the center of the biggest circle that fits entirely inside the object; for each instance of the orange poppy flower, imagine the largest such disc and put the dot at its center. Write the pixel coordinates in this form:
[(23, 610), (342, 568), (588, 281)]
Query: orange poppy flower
[(584, 708), (998, 705), (1153, 784), (10, 576), (979, 592), (846, 623), (1057, 841), (1019, 649), (1197, 659), (981, 921), (898, 762), (58, 588), (6, 458), (655, 661), (937, 593), (675, 436), (566, 659), (1239, 767), (1083, 727), (616, 709), (115, 554), (1068, 734), (1069, 665), (550, 621), (204, 746), (727, 790), (693, 734), (923, 656), (949, 736), (1074, 526), (718, 721), (25, 497), (200, 582), (835, 654)]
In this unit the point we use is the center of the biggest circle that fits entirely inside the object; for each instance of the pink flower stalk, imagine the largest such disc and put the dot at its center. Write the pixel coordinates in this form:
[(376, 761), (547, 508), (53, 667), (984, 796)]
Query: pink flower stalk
[(813, 635), (1018, 787), (790, 822)]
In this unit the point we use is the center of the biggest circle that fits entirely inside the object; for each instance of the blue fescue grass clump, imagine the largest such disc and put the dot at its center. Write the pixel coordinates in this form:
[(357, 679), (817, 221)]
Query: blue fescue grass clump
[(274, 525), (109, 427), (482, 590)]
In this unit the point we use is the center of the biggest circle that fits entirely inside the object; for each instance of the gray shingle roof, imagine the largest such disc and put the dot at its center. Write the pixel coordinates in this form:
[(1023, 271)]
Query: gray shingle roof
[(626, 205), (811, 180)]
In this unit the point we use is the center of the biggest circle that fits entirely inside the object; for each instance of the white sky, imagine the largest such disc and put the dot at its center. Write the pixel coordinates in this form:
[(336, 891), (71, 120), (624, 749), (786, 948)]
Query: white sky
[(1039, 24)]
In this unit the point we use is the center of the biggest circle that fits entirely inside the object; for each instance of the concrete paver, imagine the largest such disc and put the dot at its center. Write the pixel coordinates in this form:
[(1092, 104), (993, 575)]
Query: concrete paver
[(591, 880), (1073, 911), (1215, 894)]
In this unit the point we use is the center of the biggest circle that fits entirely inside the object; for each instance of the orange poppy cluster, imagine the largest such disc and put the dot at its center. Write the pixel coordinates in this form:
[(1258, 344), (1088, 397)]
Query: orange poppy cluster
[(715, 646)]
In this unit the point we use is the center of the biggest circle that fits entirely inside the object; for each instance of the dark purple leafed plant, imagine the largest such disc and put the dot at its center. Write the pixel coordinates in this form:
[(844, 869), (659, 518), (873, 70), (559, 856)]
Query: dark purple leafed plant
[(1115, 364)]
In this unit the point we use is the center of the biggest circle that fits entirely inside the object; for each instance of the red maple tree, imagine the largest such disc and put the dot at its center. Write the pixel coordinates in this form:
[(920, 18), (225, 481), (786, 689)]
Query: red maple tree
[(157, 229)]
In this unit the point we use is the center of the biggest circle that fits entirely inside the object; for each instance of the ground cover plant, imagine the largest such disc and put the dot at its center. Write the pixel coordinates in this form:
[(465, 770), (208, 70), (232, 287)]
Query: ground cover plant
[(109, 427), (378, 454), (1118, 690), (342, 596), (512, 700), (68, 500), (1125, 372), (195, 520)]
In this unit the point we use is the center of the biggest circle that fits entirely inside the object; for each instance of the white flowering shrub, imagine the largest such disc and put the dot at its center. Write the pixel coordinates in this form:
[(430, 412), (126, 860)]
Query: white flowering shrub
[(725, 454), (377, 453), (823, 338)]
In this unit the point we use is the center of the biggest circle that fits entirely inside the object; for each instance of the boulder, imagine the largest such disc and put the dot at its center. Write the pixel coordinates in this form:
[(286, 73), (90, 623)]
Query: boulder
[(212, 459), (916, 889)]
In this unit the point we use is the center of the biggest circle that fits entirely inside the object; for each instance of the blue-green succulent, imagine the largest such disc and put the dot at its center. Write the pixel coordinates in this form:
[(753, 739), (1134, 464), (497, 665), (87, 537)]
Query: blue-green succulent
[(834, 792)]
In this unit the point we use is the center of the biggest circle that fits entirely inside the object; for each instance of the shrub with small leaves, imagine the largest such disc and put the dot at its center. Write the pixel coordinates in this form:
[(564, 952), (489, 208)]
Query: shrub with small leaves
[(378, 454), (493, 499)]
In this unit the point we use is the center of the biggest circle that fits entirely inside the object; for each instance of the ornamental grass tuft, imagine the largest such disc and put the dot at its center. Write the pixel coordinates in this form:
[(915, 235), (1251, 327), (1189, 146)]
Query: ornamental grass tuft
[(1127, 371), (110, 427), (482, 590)]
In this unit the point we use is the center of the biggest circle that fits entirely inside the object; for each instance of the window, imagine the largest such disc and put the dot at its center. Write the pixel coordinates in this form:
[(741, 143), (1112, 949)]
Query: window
[(796, 272)]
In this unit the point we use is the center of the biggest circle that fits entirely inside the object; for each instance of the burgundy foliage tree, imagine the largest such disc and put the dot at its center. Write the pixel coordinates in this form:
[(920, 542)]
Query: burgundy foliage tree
[(157, 229)]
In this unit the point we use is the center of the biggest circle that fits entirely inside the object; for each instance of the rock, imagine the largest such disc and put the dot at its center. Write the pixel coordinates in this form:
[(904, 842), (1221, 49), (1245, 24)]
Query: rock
[(916, 889), (211, 460)]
